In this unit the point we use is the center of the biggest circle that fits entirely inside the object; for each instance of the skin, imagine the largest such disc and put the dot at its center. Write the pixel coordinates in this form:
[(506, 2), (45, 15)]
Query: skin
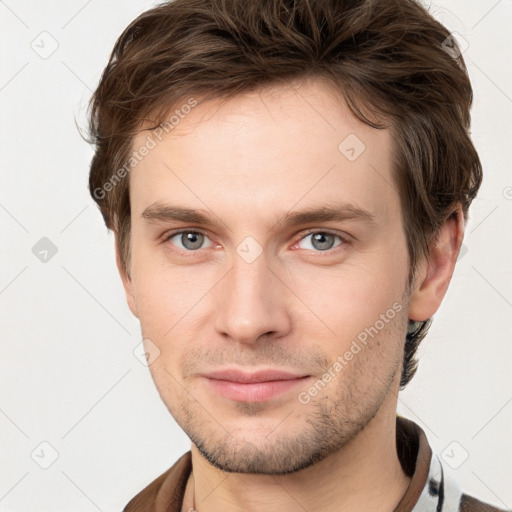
[(295, 307)]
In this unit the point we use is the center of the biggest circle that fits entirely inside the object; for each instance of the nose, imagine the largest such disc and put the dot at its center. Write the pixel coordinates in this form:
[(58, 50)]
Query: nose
[(252, 301)]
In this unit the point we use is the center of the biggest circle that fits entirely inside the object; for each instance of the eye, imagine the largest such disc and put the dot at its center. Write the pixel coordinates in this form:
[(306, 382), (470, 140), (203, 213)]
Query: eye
[(194, 240), (321, 241), (190, 240)]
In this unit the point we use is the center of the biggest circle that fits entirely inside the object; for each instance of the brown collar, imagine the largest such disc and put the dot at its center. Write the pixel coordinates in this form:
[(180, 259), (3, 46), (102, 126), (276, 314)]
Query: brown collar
[(415, 455)]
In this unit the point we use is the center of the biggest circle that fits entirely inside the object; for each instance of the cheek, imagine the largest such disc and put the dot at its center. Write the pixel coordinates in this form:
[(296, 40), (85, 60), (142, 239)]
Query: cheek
[(162, 302), (351, 297), (170, 301)]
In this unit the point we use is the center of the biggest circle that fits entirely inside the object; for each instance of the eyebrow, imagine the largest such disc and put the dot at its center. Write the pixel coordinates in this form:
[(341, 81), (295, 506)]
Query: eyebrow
[(332, 212)]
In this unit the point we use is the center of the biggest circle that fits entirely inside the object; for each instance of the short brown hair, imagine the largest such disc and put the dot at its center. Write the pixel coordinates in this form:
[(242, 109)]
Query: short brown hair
[(390, 60)]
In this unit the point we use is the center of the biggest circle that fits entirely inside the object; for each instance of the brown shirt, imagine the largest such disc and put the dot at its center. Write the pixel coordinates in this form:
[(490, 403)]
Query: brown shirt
[(430, 489)]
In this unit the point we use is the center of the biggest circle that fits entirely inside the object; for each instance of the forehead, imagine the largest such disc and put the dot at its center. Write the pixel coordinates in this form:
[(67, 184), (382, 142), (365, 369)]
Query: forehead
[(258, 151)]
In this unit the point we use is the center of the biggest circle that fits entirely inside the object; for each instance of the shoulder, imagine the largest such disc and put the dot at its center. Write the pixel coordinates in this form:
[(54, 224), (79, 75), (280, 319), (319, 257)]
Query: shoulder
[(471, 504), (166, 491)]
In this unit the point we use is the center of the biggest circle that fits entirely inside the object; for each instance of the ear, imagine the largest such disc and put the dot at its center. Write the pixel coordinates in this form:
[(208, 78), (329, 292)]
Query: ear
[(126, 279), (434, 273)]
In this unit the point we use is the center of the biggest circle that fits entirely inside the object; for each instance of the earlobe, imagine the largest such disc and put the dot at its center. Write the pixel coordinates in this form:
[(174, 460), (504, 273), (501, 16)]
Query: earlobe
[(126, 279), (434, 273)]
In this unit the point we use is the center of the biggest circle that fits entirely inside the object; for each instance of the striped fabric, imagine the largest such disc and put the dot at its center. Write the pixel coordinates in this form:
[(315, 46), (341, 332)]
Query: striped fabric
[(441, 492)]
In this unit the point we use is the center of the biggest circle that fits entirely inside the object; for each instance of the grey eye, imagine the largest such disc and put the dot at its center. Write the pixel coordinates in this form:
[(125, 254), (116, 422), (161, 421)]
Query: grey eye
[(191, 240), (188, 240), (320, 240)]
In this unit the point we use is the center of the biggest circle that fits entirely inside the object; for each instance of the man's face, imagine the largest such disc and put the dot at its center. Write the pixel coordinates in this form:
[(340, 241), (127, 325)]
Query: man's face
[(254, 291)]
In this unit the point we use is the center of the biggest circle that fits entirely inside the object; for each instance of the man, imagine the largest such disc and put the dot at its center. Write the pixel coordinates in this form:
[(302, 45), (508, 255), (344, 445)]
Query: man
[(288, 183)]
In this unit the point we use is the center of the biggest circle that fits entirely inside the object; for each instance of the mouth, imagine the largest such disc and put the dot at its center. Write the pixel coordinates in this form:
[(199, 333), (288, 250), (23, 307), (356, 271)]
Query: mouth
[(253, 387)]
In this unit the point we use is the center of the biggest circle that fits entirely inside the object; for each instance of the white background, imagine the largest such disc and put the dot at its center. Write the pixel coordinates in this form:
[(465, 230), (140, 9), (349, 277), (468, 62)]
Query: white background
[(68, 375)]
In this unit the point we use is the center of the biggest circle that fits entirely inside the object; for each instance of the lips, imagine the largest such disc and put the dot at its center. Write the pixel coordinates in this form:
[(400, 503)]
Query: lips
[(253, 387), (259, 376)]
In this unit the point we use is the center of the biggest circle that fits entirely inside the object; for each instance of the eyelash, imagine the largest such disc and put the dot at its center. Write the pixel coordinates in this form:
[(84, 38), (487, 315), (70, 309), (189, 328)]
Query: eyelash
[(345, 241)]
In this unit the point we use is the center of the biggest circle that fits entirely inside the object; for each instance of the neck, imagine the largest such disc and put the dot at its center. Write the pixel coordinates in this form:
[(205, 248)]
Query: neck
[(364, 475)]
